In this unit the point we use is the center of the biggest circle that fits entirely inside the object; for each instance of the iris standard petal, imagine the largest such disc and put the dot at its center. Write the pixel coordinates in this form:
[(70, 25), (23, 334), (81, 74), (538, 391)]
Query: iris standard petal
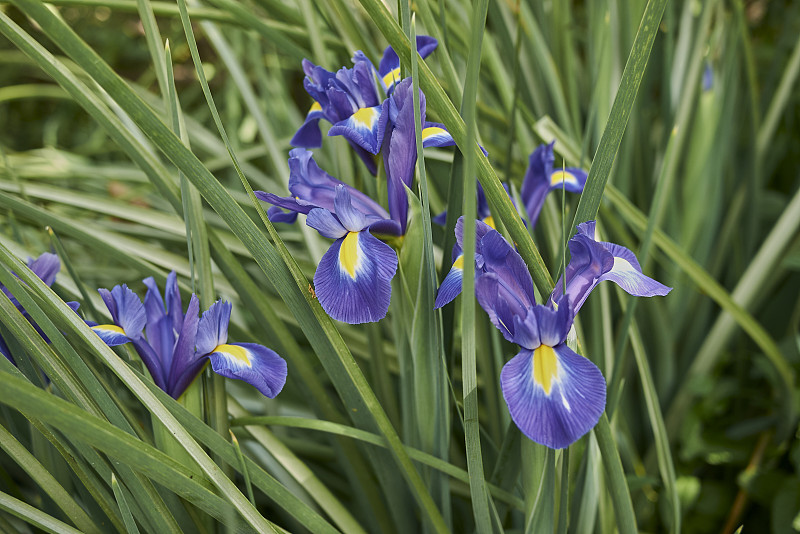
[(499, 257), (365, 128), (589, 260), (488, 291), (255, 364), (45, 267), (554, 322), (184, 356), (353, 279), (451, 285), (213, 328), (127, 311), (554, 395)]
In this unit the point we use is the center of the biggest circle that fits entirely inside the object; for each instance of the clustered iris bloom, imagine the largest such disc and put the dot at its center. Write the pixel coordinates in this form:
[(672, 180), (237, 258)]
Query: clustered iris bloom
[(45, 267), (353, 279), (554, 395), (540, 179), (175, 346)]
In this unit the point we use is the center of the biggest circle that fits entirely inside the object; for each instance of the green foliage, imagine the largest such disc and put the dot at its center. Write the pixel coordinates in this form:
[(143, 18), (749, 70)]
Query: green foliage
[(134, 133)]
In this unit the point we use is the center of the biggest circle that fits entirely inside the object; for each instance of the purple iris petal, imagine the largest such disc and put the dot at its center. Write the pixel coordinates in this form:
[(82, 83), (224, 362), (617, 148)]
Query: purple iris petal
[(434, 134), (277, 215), (390, 62), (326, 223), (556, 409), (352, 219), (451, 285), (255, 364), (184, 356), (364, 127), (45, 267), (501, 259), (353, 279), (213, 328), (593, 261), (125, 308)]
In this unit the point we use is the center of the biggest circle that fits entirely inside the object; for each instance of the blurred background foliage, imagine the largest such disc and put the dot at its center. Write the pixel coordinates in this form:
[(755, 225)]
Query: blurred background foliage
[(710, 156)]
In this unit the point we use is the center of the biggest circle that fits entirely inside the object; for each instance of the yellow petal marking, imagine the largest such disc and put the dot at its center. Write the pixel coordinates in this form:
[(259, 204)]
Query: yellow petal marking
[(391, 77), (236, 352), (490, 221), (110, 327), (365, 116), (545, 367), (459, 263), (349, 254), (431, 131), (563, 176), (315, 107)]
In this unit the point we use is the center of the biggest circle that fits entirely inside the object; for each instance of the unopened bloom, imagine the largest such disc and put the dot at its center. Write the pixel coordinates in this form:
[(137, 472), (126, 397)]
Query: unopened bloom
[(175, 346)]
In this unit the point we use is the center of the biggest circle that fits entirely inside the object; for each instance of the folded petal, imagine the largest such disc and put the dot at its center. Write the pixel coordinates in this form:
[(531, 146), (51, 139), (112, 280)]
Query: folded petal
[(213, 328), (365, 128), (389, 67), (451, 285), (255, 364), (572, 179), (536, 183), (500, 258), (277, 215), (290, 203), (589, 260), (488, 292), (353, 279), (554, 395)]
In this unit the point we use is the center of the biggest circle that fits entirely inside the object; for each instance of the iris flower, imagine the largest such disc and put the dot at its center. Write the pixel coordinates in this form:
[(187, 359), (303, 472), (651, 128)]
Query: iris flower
[(353, 279), (354, 100), (540, 179), (175, 346), (554, 395)]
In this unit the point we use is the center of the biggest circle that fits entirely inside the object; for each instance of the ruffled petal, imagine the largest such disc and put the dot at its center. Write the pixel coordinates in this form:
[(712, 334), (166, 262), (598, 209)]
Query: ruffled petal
[(365, 128), (353, 279), (255, 364), (451, 285), (554, 395)]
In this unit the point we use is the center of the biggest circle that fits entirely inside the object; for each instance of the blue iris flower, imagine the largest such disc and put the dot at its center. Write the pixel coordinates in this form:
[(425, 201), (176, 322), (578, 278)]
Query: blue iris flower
[(554, 395), (353, 279), (355, 101), (175, 346), (45, 267), (540, 179)]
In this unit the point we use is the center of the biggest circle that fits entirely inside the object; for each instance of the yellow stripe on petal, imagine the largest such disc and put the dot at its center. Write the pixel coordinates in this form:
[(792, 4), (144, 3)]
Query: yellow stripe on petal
[(236, 352), (432, 131), (366, 117), (110, 328), (490, 221), (545, 367), (563, 176), (459, 263), (392, 77), (315, 107), (350, 254)]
